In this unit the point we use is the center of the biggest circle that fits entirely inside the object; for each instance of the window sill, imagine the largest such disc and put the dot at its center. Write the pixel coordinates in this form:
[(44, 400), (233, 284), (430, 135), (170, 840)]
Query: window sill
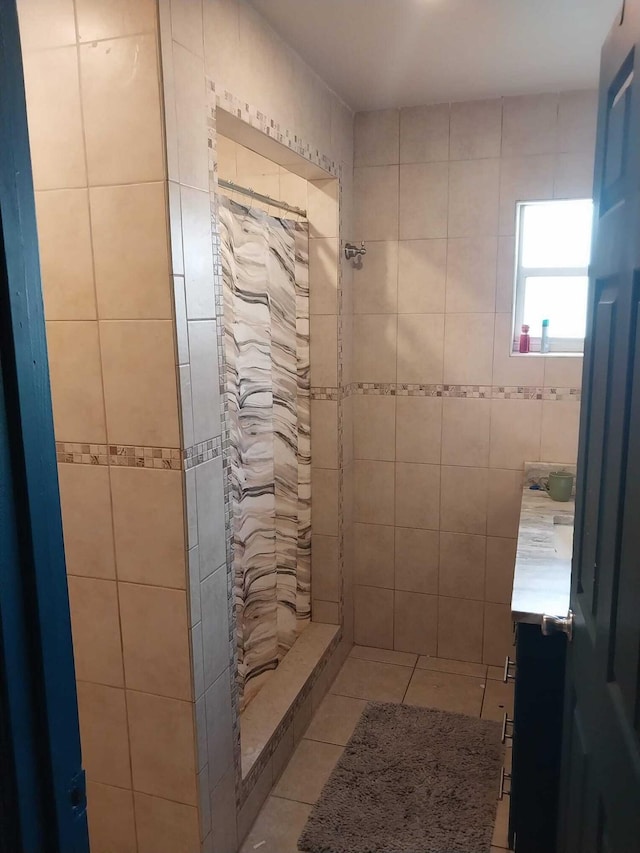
[(547, 354)]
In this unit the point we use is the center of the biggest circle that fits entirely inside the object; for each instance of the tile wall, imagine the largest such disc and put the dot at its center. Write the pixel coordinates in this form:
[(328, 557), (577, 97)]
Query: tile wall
[(443, 417), (219, 54), (102, 227)]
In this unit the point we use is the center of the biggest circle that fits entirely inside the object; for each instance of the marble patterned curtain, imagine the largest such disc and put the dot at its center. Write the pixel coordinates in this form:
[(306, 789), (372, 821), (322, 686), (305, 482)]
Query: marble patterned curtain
[(266, 317)]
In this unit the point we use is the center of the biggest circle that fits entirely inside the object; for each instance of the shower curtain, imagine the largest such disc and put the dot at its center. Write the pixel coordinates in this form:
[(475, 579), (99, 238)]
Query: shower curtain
[(266, 319)]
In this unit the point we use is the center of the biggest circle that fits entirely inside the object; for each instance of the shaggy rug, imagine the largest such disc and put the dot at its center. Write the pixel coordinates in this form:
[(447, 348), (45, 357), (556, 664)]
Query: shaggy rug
[(410, 780)]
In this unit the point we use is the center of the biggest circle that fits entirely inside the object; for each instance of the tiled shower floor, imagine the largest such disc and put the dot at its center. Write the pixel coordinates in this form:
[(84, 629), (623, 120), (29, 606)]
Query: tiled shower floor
[(386, 676)]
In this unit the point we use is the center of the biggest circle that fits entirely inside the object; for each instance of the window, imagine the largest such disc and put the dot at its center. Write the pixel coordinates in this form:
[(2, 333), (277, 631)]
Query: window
[(552, 279)]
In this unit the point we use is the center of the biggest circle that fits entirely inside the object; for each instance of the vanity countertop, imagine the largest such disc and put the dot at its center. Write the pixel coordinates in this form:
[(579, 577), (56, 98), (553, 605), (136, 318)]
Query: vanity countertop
[(542, 577)]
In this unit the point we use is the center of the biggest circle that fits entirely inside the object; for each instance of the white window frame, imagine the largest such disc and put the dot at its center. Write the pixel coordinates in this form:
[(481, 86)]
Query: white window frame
[(569, 346)]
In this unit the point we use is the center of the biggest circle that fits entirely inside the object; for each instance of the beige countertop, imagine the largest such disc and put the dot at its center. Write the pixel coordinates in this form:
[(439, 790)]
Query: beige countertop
[(542, 577)]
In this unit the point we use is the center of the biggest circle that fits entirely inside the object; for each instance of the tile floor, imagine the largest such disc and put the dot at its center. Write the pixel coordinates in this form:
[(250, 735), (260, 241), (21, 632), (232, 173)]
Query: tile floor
[(386, 676)]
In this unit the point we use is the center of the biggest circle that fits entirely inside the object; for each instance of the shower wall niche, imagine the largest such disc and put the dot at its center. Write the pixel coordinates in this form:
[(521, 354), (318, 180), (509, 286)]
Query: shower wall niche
[(265, 262)]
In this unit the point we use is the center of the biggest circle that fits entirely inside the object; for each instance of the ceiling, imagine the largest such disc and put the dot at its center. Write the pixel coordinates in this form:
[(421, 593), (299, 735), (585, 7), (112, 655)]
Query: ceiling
[(389, 53)]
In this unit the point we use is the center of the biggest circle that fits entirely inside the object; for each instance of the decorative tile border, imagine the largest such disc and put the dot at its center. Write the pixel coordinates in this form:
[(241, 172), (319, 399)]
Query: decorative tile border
[(202, 452), (255, 118), (120, 455), (490, 392)]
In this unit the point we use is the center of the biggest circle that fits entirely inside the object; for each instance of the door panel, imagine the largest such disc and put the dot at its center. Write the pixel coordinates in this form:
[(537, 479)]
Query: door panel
[(601, 747)]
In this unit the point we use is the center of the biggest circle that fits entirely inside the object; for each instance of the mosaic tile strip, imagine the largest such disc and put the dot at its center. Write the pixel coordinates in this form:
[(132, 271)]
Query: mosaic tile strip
[(320, 393), (120, 455), (256, 118), (202, 452), (492, 392)]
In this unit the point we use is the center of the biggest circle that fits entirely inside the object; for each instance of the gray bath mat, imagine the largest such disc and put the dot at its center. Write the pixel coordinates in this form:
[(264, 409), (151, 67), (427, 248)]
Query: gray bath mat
[(410, 780)]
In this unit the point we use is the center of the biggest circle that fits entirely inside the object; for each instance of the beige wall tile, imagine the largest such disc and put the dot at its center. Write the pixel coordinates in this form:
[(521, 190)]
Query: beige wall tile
[(373, 617), (373, 555), (165, 827), (415, 623), (129, 229), (162, 747), (46, 23), (294, 190), (105, 833), (418, 429), (375, 286), (504, 499), (460, 629), (186, 25), (122, 110), (103, 731), (105, 19), (374, 434), (476, 129), (573, 175), (376, 202), (422, 270), (424, 200), (529, 125), (462, 565), (191, 112), (55, 123), (326, 568), (560, 427), (85, 497), (324, 501), (563, 371), (324, 351), (577, 119), (198, 257), (323, 208), (501, 560), (465, 431), (424, 133), (324, 433), (471, 274), (468, 349), (377, 138), (473, 197), (374, 486), (325, 612), (64, 239), (416, 560), (420, 348), (511, 369), (374, 348), (515, 433), (149, 526), (464, 500), (498, 634), (323, 275), (523, 179), (96, 631), (155, 640), (506, 274), (76, 381), (143, 410), (417, 495)]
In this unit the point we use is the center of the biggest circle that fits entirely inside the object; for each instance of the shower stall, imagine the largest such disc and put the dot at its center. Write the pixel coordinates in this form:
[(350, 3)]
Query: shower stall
[(266, 339)]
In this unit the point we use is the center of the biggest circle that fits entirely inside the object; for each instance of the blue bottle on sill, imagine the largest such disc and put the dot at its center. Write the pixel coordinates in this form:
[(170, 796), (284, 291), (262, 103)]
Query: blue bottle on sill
[(544, 340)]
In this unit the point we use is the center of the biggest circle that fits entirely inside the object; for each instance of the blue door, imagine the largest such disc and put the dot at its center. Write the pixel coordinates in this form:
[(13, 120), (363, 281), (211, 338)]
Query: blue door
[(42, 794), (600, 806)]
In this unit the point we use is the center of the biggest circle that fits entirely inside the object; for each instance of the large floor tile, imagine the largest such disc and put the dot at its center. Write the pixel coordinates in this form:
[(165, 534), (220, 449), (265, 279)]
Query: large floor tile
[(383, 655), (496, 673), (379, 682), (277, 827), (498, 698), (336, 719), (457, 667), (308, 770), (446, 691)]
